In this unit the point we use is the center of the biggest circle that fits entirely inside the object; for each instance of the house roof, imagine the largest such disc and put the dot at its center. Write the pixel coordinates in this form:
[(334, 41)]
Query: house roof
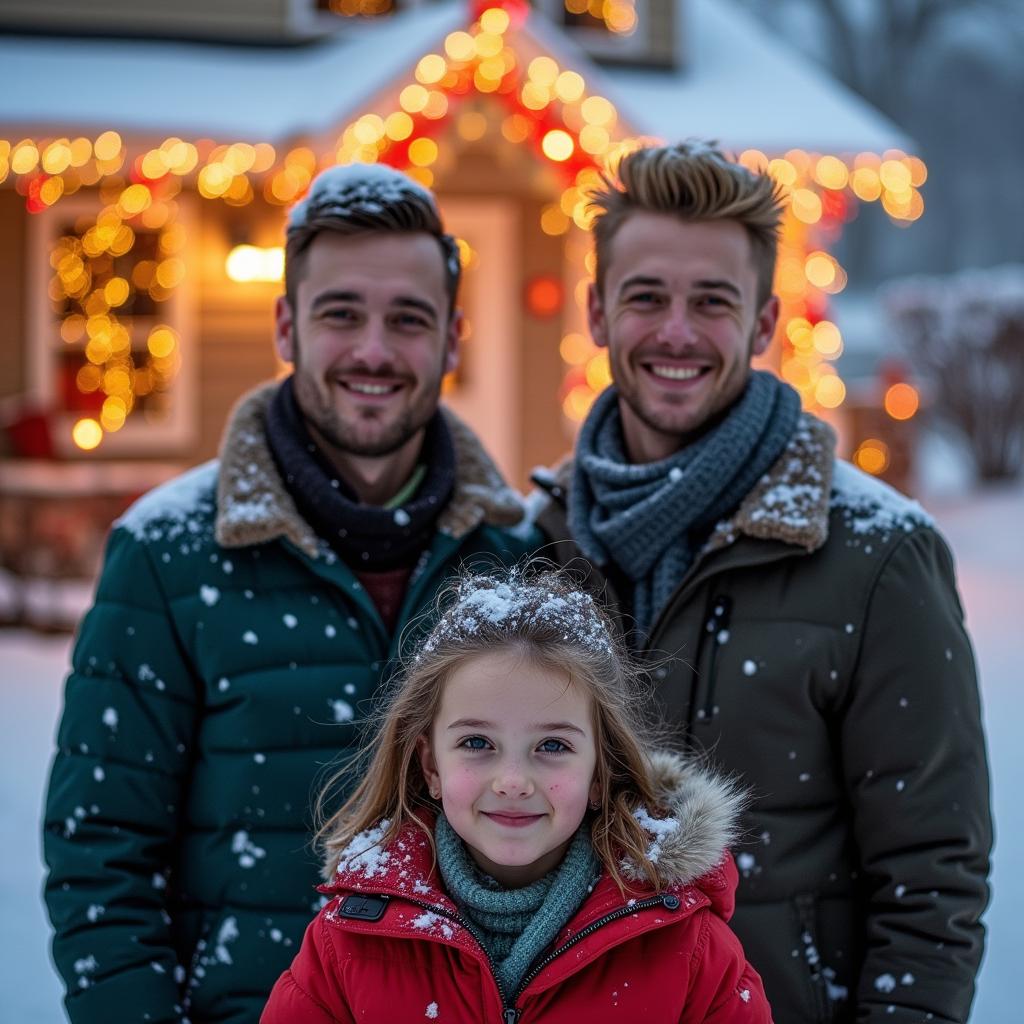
[(740, 85)]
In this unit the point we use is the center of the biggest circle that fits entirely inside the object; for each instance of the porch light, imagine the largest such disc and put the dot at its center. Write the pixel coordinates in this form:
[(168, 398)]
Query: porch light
[(251, 263)]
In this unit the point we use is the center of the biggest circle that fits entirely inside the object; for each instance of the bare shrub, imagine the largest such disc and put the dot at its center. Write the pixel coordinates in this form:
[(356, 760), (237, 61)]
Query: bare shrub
[(964, 334)]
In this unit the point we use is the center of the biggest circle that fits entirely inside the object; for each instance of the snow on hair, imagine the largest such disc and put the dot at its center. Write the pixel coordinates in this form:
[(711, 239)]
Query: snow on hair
[(368, 197), (512, 606)]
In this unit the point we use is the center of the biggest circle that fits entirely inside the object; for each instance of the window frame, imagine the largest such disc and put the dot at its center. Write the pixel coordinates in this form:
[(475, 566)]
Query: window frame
[(174, 435)]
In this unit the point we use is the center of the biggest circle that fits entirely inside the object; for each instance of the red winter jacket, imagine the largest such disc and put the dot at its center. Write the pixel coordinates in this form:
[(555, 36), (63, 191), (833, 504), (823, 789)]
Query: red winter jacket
[(391, 946)]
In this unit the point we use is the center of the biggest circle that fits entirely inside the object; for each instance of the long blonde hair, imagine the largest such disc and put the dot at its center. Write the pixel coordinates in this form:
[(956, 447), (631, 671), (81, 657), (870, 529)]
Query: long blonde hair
[(541, 615)]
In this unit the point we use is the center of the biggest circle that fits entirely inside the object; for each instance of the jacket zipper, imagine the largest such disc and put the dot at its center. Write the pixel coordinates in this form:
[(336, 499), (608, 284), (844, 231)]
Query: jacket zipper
[(807, 915), (510, 1012), (666, 900), (458, 919), (721, 610), (692, 714)]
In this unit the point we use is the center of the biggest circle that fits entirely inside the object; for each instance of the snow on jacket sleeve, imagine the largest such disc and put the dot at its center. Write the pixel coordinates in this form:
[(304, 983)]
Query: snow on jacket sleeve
[(724, 988), (309, 992), (114, 799), (916, 771)]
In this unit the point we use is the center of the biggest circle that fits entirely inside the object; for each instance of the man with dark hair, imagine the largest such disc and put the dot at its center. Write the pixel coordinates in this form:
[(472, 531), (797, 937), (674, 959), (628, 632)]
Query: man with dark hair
[(817, 638), (246, 615)]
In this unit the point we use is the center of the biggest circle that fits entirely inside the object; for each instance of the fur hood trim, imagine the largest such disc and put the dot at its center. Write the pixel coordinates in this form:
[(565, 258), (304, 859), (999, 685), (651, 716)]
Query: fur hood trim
[(702, 820), (790, 503), (254, 506)]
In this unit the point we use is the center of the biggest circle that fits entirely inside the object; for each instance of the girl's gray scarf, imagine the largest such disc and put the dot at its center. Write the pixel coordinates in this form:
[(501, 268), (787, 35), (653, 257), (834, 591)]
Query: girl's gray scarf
[(647, 518), (516, 925)]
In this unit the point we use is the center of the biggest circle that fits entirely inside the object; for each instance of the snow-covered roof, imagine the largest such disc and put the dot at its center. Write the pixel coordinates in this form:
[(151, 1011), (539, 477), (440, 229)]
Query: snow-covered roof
[(739, 85), (231, 93), (746, 88)]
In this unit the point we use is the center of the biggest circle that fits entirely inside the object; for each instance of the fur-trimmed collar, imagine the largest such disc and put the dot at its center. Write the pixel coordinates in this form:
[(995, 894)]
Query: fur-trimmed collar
[(254, 506), (700, 825), (790, 502)]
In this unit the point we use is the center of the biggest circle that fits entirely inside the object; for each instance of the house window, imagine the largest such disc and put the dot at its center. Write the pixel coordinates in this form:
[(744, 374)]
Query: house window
[(111, 356), (357, 8), (639, 32)]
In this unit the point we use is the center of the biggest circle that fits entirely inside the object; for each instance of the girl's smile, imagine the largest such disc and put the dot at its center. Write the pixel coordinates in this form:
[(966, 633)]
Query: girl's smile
[(511, 756)]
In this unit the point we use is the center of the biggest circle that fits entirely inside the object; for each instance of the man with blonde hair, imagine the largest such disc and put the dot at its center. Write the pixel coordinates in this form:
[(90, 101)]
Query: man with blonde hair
[(810, 613)]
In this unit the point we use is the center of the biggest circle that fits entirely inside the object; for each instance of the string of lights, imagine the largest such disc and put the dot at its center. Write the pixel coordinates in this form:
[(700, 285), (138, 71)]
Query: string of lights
[(535, 103)]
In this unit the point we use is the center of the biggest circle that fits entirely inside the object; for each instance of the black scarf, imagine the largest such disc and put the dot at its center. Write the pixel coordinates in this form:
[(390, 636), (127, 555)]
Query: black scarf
[(365, 537)]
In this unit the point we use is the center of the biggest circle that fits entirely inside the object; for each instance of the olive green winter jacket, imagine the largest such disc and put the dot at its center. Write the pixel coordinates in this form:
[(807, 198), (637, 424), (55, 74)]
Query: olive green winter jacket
[(226, 661), (817, 649)]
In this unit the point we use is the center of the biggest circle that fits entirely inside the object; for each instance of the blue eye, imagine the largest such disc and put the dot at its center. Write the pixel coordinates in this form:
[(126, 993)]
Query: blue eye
[(474, 743), (552, 747)]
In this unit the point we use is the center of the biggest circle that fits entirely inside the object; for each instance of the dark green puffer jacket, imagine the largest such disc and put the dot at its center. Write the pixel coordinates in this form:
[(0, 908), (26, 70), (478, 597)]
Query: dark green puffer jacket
[(816, 649), (226, 661)]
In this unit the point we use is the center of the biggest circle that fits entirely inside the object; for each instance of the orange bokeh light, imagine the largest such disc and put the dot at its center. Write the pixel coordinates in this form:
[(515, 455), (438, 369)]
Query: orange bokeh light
[(902, 401)]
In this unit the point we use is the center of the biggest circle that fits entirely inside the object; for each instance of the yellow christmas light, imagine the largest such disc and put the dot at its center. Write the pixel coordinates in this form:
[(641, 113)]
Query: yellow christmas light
[(431, 68), (107, 146), (87, 434), (422, 152), (569, 86), (495, 20), (459, 46), (872, 456), (557, 145)]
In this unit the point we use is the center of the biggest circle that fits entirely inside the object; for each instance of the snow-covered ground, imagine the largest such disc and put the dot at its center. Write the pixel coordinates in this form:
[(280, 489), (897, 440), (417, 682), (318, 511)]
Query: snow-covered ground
[(984, 531)]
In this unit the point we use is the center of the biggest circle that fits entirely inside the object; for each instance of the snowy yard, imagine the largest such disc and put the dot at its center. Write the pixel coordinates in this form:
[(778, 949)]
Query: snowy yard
[(985, 535)]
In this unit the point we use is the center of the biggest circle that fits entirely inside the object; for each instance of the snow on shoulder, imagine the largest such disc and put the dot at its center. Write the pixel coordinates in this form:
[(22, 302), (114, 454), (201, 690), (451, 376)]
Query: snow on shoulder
[(365, 854), (184, 505), (354, 189), (871, 506)]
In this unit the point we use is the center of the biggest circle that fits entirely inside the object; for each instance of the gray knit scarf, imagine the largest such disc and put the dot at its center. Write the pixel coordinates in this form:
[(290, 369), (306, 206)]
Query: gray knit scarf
[(516, 925), (649, 518)]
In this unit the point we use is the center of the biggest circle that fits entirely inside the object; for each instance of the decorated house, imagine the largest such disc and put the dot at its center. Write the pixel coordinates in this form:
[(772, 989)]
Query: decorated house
[(149, 152)]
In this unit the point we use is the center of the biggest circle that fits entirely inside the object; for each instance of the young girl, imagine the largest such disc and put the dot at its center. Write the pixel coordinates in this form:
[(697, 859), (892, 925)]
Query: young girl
[(513, 853)]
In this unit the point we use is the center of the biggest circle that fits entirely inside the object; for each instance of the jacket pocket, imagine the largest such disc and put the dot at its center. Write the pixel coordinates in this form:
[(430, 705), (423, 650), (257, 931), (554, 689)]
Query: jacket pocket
[(824, 1008)]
